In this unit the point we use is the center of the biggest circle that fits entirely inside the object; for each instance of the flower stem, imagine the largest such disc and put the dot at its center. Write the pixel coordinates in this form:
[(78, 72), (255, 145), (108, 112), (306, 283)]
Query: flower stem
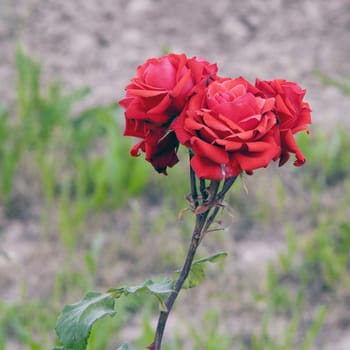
[(219, 198), (195, 241), (203, 222)]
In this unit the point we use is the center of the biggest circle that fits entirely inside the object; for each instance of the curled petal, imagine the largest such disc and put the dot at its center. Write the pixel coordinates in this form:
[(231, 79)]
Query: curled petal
[(213, 153), (230, 146), (205, 132), (183, 84), (134, 128), (206, 169), (250, 160), (290, 146), (161, 106), (135, 150), (216, 124)]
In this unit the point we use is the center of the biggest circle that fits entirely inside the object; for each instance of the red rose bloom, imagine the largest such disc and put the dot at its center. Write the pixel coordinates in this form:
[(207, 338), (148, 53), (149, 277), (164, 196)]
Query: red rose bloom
[(230, 129), (157, 95), (292, 113)]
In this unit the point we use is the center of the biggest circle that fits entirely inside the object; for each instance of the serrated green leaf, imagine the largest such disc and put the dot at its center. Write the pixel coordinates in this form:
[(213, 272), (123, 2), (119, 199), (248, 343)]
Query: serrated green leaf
[(124, 347), (157, 289), (74, 324), (196, 275)]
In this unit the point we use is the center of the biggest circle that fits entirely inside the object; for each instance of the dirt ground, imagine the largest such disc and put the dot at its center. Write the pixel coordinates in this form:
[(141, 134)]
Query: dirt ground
[(100, 43)]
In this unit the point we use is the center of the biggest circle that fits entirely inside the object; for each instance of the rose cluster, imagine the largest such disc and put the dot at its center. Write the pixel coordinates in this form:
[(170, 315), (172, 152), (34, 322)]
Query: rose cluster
[(229, 125)]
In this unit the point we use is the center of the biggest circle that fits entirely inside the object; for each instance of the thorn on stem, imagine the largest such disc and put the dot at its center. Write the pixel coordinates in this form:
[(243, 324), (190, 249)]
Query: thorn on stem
[(151, 346)]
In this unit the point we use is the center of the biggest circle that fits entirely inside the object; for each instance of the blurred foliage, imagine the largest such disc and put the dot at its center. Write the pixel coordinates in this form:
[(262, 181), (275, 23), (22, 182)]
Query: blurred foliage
[(28, 323), (327, 155), (84, 152), (342, 85), (79, 157)]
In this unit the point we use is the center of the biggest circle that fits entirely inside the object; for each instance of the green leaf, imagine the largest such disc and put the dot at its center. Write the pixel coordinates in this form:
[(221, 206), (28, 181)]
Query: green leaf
[(197, 272), (195, 277), (124, 347), (157, 289), (212, 258), (74, 324)]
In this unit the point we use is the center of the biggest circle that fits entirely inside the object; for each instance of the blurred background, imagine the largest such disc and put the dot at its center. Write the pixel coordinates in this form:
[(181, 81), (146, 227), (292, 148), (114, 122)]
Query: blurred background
[(77, 213)]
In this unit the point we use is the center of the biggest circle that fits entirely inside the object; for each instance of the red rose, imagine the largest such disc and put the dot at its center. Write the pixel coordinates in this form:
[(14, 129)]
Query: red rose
[(292, 113), (230, 129), (156, 96)]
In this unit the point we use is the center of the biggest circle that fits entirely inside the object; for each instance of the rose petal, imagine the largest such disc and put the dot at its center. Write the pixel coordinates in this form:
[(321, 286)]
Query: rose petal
[(231, 124), (134, 128), (290, 145), (230, 146), (255, 160), (180, 86), (201, 68), (206, 169), (205, 133), (216, 124), (241, 107), (162, 105), (146, 93), (214, 153), (135, 150), (282, 107), (163, 153), (258, 146), (160, 73), (231, 169)]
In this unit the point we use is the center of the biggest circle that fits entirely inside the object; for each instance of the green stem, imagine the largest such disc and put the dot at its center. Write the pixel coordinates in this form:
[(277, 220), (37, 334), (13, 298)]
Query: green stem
[(219, 199), (203, 222), (195, 241)]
